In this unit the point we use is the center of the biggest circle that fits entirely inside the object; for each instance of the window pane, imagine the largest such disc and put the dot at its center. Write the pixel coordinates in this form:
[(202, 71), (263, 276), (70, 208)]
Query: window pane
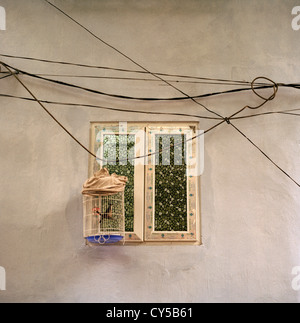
[(170, 184), (118, 149)]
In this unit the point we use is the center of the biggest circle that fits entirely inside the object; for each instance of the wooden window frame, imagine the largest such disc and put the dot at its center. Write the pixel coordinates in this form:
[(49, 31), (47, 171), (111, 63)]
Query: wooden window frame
[(144, 203)]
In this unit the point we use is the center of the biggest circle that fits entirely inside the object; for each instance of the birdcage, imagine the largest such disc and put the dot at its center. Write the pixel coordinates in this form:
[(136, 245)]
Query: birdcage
[(103, 208)]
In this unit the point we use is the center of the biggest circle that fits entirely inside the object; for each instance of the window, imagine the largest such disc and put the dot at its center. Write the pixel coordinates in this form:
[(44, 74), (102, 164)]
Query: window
[(162, 193)]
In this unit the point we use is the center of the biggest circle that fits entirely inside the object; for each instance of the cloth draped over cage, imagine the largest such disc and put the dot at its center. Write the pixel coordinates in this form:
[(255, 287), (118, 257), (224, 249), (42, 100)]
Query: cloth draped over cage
[(102, 183)]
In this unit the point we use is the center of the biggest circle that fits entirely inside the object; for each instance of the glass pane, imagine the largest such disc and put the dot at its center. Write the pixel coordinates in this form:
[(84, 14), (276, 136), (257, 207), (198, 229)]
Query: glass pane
[(119, 151), (170, 184)]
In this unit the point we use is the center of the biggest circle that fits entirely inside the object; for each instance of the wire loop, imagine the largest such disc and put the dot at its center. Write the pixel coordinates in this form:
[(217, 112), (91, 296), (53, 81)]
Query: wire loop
[(275, 88)]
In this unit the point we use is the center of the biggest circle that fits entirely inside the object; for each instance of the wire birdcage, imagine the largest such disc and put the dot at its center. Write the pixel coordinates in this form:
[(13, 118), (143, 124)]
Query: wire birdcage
[(103, 209), (104, 220)]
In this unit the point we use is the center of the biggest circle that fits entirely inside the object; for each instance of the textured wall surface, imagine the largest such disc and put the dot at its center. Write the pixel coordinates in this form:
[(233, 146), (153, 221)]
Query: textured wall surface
[(250, 210)]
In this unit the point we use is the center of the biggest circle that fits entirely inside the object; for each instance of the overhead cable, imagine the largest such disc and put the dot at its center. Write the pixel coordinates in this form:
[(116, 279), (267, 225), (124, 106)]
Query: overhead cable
[(119, 96), (224, 81), (111, 108), (132, 60), (78, 142), (261, 151)]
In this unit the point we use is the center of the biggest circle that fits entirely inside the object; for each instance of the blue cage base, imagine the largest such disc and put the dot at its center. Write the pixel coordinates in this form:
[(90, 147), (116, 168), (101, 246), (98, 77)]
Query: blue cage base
[(104, 239)]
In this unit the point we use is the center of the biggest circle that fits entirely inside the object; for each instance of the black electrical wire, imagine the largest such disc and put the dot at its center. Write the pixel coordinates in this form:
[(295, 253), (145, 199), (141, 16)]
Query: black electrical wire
[(225, 81), (265, 100), (259, 85), (289, 113), (204, 80), (4, 77), (46, 110), (285, 112), (136, 98), (226, 119), (131, 60), (135, 79), (272, 161), (79, 143), (160, 151), (111, 108)]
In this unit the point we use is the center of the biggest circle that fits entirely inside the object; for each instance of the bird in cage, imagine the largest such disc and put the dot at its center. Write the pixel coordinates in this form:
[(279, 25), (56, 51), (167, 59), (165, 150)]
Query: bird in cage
[(107, 214)]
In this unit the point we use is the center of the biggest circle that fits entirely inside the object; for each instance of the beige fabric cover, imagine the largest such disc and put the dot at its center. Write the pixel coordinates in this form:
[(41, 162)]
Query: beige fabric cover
[(102, 183)]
